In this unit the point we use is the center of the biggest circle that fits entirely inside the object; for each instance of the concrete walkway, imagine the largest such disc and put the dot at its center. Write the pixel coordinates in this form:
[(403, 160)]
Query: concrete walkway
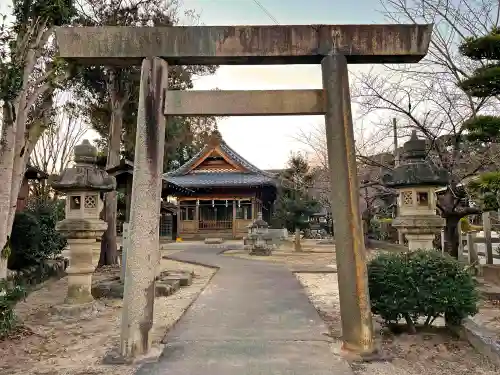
[(252, 318)]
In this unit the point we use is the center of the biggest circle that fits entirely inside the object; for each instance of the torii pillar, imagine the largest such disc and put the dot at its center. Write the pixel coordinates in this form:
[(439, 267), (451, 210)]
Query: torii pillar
[(247, 45)]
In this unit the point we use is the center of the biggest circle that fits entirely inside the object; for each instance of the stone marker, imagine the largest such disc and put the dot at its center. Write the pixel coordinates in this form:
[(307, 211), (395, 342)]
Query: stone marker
[(125, 246), (82, 185)]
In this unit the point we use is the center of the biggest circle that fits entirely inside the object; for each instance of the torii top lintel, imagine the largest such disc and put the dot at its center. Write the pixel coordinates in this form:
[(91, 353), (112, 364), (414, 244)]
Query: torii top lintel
[(244, 45)]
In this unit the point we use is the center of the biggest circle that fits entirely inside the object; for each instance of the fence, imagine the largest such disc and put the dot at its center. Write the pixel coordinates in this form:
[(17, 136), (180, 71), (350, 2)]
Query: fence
[(468, 243), (166, 226)]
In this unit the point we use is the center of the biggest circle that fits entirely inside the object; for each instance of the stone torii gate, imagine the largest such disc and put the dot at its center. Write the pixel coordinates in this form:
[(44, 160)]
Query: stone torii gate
[(332, 46)]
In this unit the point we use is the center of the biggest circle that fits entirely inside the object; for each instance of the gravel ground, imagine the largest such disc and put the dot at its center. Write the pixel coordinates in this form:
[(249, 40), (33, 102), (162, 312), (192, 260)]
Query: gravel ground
[(430, 353), (52, 346), (288, 258)]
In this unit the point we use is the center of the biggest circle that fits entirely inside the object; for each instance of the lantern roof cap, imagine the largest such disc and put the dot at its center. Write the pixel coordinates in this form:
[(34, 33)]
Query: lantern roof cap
[(415, 169), (85, 175)]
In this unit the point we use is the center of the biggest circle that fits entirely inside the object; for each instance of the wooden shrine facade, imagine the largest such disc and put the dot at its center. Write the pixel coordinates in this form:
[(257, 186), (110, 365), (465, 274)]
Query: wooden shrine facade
[(226, 193)]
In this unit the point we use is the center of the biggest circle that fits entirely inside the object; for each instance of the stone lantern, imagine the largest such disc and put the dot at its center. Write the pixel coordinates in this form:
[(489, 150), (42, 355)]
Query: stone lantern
[(83, 185), (416, 181), (258, 239)]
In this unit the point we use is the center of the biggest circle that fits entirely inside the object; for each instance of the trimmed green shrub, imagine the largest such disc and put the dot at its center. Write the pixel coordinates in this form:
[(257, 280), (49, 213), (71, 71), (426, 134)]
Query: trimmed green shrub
[(420, 284), (34, 238), (8, 301), (24, 241), (48, 214)]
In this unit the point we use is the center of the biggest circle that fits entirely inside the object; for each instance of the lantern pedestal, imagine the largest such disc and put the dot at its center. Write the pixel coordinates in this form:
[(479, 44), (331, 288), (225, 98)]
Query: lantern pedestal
[(82, 238), (420, 231), (82, 235), (420, 241)]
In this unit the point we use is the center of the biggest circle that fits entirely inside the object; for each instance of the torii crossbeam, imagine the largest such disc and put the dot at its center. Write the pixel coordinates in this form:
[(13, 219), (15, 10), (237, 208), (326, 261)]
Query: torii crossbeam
[(332, 46)]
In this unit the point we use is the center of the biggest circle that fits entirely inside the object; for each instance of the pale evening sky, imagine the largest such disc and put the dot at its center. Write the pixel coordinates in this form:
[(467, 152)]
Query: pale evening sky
[(268, 141)]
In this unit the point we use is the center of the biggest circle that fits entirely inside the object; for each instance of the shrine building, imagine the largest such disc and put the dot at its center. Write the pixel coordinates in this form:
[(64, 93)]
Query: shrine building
[(220, 193)]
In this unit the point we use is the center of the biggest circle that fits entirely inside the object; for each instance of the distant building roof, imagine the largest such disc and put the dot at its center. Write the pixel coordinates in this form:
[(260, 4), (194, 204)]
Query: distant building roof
[(218, 165), (126, 168)]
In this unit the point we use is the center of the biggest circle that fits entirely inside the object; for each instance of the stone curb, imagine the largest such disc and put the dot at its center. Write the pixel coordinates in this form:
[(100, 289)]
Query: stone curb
[(490, 296), (114, 357), (313, 270), (192, 262), (164, 339), (480, 338)]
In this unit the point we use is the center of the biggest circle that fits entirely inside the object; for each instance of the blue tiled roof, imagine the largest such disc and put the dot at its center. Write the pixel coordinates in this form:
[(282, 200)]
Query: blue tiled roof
[(220, 179)]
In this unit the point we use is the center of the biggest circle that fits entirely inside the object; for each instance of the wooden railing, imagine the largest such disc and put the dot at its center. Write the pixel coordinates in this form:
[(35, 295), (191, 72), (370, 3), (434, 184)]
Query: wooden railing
[(215, 224), (467, 245)]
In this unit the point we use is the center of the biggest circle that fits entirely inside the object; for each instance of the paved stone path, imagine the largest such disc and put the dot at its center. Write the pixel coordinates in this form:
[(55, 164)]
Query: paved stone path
[(252, 318)]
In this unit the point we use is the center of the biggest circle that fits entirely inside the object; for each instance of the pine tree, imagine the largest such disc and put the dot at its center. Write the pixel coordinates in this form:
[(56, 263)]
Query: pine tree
[(483, 83), (294, 203)]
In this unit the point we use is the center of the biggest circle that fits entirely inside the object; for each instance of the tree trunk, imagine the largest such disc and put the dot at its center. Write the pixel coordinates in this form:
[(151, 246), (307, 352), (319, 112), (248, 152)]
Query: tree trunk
[(109, 252), (25, 145), (6, 165), (451, 235), (14, 153)]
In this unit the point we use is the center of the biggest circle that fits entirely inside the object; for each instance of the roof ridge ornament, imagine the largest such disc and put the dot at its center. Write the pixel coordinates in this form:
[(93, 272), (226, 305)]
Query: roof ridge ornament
[(215, 138)]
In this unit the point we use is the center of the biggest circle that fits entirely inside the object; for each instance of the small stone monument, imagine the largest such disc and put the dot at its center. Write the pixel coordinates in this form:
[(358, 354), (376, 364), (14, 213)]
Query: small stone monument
[(82, 185), (125, 246), (416, 180), (258, 239)]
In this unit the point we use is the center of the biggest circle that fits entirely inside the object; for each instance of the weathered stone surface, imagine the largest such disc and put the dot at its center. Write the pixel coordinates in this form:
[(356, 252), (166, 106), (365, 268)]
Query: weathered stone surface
[(483, 340), (491, 273), (295, 44), (108, 289), (114, 357), (162, 290), (143, 253), (84, 176), (78, 294), (165, 288), (245, 103), (81, 310), (356, 317), (166, 285), (418, 224), (184, 278)]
